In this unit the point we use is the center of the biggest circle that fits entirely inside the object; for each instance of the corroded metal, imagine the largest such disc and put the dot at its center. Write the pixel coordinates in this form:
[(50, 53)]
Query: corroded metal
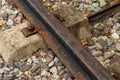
[(75, 57), (101, 15), (58, 16), (28, 31)]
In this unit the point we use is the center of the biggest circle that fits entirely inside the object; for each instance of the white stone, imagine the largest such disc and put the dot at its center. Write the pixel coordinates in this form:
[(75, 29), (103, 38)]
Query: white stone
[(117, 45), (86, 5), (54, 70), (44, 73), (108, 55), (60, 68), (29, 60), (10, 22), (102, 3), (55, 77), (16, 70), (3, 2), (34, 59), (95, 4), (51, 64), (56, 60), (115, 27), (98, 46), (20, 74), (118, 24), (1, 71), (44, 60), (96, 53), (91, 47), (63, 3), (115, 36), (101, 58), (10, 12)]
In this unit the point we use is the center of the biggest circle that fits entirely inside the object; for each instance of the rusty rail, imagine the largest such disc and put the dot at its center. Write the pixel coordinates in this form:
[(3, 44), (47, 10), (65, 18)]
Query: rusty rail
[(101, 15), (75, 57)]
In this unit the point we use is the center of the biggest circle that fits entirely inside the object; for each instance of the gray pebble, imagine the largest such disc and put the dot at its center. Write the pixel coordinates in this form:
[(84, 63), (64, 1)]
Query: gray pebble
[(118, 32), (55, 77), (116, 15), (44, 78), (117, 45), (94, 0), (100, 27), (67, 75), (8, 77), (56, 60), (53, 70), (16, 71), (25, 67), (35, 67), (109, 22), (51, 64), (102, 42), (1, 65), (10, 22), (69, 79), (38, 71), (24, 78), (1, 76), (106, 30), (34, 59), (3, 14), (1, 71), (97, 33), (116, 26), (29, 61), (90, 42), (12, 17), (109, 41), (115, 36), (102, 3), (44, 73), (17, 64), (108, 55), (60, 68), (97, 45), (96, 53), (91, 47)]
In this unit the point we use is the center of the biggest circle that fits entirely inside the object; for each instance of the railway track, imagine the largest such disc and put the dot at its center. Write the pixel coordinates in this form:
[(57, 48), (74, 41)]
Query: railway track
[(101, 15), (74, 56)]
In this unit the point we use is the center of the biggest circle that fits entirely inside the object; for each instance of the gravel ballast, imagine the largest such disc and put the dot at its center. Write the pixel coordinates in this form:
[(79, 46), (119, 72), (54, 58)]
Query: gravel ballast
[(43, 64)]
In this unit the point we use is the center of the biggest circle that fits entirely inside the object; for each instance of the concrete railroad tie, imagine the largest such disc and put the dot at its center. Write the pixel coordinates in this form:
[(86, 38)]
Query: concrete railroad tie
[(14, 46)]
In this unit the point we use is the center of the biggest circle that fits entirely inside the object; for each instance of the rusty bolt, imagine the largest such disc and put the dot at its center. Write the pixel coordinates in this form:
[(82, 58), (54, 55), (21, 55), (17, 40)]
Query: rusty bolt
[(31, 28), (59, 17)]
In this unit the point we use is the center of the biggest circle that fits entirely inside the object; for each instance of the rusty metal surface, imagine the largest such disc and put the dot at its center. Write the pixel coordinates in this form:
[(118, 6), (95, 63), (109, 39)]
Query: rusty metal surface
[(75, 57), (28, 31), (104, 13), (59, 17)]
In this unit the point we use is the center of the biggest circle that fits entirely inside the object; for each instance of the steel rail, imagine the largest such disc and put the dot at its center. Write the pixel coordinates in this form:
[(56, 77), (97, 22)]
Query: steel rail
[(101, 15), (75, 57)]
